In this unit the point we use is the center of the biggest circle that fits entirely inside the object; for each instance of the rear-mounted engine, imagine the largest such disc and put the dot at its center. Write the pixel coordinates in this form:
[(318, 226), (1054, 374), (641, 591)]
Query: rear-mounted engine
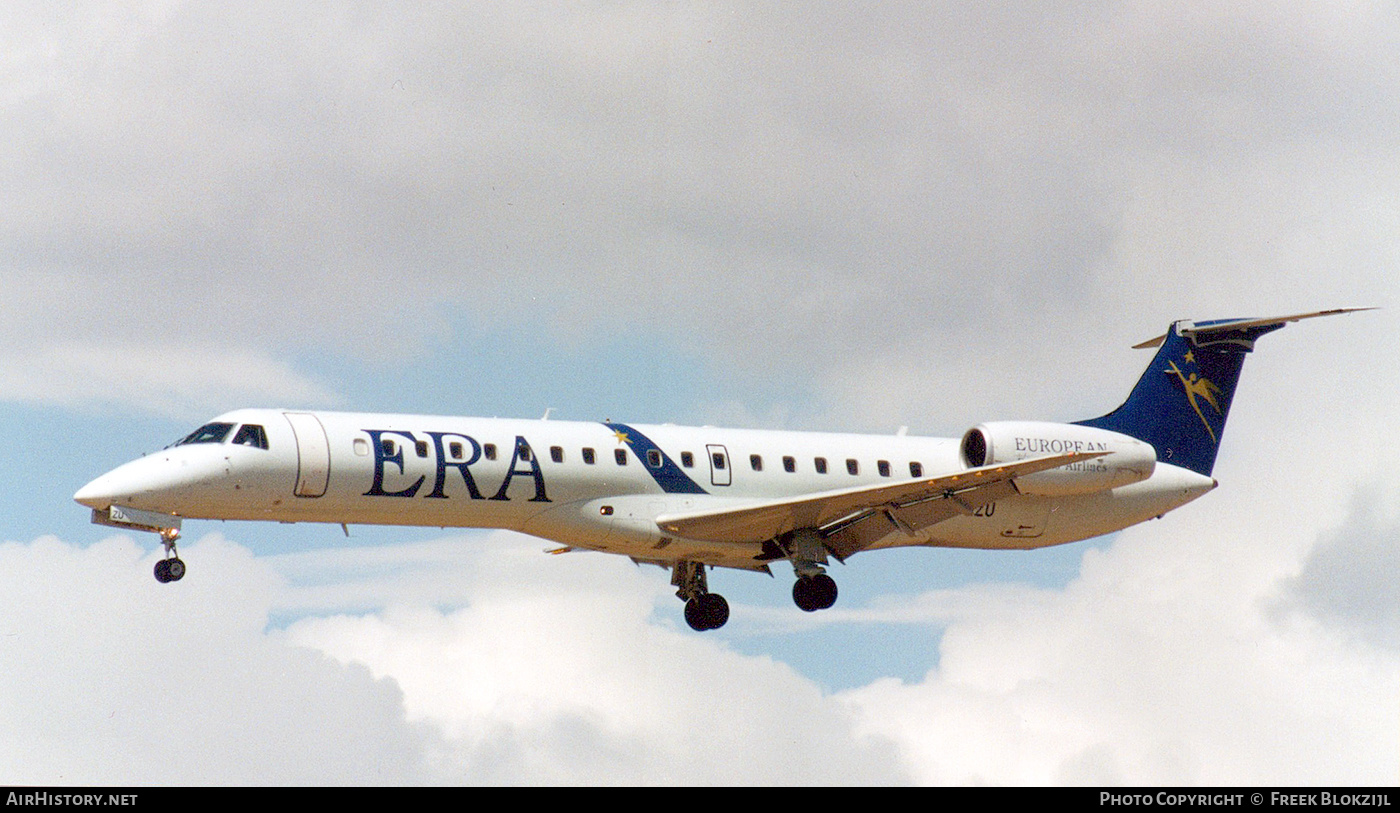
[(1126, 460)]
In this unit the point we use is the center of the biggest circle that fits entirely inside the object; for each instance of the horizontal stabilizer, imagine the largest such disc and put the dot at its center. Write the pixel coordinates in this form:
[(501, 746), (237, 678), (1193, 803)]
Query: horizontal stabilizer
[(1191, 329)]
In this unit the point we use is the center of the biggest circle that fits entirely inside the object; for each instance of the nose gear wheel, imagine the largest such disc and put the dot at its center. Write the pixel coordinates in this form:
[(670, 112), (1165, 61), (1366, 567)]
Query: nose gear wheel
[(171, 568)]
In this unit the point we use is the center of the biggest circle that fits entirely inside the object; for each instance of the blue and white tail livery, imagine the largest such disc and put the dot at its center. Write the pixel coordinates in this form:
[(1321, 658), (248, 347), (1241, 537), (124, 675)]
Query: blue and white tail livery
[(694, 498)]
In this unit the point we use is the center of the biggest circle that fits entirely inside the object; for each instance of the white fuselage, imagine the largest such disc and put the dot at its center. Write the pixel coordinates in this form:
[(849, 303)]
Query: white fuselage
[(590, 485)]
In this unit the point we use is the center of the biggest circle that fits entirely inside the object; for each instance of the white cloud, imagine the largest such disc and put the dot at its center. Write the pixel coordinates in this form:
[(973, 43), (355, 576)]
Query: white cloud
[(1159, 665), (943, 212), (112, 678), (555, 672), (111, 681), (846, 193), (188, 382), (1347, 579), (476, 659)]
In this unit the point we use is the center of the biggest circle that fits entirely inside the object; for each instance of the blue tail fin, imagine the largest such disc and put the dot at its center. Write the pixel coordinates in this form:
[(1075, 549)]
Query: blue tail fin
[(1181, 402)]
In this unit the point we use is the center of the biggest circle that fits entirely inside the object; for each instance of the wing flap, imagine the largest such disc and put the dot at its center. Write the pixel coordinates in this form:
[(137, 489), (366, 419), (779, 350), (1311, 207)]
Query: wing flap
[(908, 506), (861, 530)]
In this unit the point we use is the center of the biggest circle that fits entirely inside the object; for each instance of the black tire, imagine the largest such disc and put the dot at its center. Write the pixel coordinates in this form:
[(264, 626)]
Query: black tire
[(825, 588), (802, 595), (812, 593), (715, 609), (707, 611), (695, 615)]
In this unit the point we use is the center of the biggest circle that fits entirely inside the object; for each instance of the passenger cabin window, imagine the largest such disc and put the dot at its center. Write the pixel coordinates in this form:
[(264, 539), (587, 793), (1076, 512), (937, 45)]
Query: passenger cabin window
[(421, 447), (455, 449), (884, 467), (654, 458), (388, 446), (556, 453), (789, 464), (588, 455), (820, 464), (916, 469), (251, 434), (717, 459), (852, 467), (524, 452), (620, 455), (756, 462), (489, 450), (688, 460), (208, 433)]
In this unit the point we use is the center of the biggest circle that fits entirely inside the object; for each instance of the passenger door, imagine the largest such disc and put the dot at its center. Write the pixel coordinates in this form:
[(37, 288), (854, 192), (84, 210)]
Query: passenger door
[(719, 465), (313, 454)]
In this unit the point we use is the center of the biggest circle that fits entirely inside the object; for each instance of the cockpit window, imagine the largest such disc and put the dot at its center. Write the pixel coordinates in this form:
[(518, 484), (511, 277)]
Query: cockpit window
[(208, 433), (251, 434)]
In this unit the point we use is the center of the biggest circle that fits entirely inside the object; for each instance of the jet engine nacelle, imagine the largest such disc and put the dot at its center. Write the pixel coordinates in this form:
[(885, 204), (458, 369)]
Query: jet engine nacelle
[(1128, 460)]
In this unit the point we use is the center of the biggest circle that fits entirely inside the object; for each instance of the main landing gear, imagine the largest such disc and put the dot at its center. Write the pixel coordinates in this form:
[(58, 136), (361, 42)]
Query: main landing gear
[(814, 590), (812, 593), (703, 610), (171, 568)]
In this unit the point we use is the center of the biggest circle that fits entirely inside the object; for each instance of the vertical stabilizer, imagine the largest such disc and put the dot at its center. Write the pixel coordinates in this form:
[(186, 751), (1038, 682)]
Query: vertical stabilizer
[(1181, 402)]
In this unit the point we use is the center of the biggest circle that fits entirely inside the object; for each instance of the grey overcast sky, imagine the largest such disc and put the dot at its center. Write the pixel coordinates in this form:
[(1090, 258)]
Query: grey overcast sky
[(819, 216)]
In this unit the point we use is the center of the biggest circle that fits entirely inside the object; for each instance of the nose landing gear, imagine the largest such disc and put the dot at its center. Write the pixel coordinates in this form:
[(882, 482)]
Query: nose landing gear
[(171, 568)]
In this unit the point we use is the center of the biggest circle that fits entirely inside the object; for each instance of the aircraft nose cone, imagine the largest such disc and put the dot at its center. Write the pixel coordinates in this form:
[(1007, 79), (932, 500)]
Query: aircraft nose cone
[(120, 485), (97, 494), (164, 482)]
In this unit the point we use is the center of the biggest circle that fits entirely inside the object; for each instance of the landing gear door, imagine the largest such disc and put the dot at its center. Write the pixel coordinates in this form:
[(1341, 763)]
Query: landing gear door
[(719, 465), (313, 454)]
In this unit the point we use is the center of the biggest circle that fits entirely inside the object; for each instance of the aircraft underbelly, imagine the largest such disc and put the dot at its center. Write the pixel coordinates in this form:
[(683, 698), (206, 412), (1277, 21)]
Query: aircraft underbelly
[(1017, 522), (627, 526), (1071, 519)]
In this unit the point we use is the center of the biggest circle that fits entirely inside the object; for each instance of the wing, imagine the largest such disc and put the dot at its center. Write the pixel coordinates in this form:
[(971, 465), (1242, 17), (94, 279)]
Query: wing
[(853, 518)]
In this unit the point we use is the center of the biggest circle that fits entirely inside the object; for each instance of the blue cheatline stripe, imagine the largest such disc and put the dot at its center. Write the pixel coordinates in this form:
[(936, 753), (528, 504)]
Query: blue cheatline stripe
[(668, 475)]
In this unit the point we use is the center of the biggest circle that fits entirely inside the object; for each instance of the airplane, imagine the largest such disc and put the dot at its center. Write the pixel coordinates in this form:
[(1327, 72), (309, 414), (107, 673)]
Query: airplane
[(691, 498)]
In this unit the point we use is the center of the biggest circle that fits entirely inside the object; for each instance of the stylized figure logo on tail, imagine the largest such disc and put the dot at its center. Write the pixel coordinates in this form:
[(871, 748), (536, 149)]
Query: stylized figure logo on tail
[(1199, 387), (1205, 359)]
